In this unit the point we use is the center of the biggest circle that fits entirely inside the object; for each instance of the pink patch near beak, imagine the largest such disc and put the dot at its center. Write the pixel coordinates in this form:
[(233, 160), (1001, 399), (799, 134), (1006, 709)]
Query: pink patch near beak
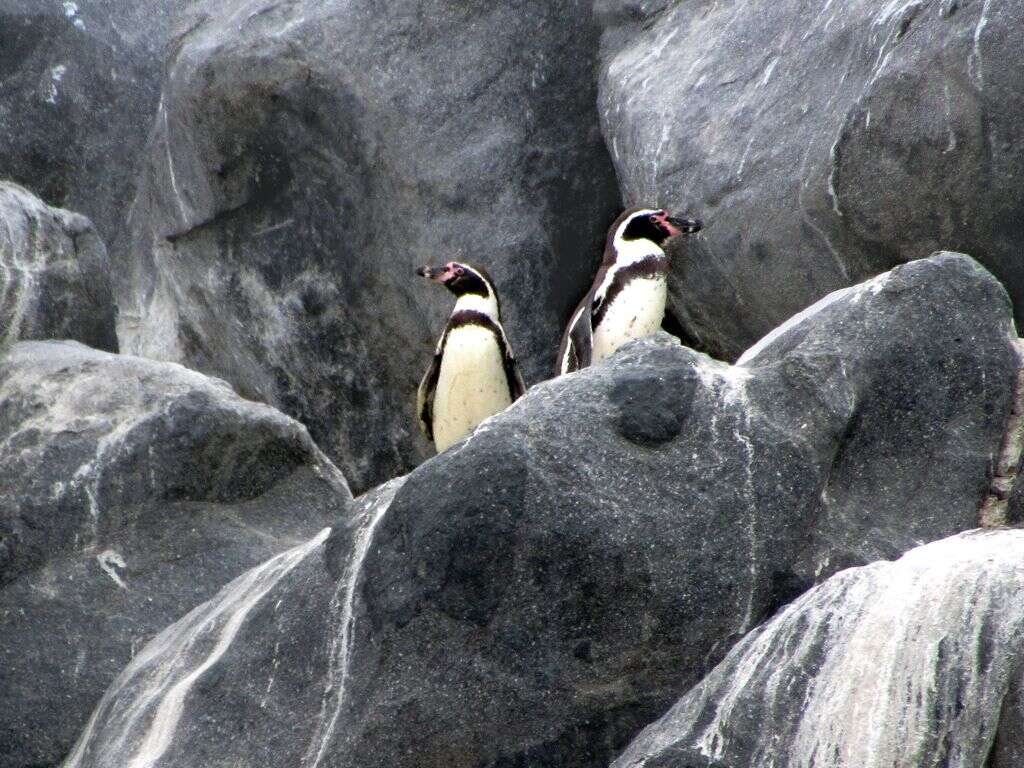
[(664, 223)]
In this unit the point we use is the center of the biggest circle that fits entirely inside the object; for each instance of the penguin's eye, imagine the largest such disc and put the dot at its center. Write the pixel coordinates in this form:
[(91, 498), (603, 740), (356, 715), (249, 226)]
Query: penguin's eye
[(459, 271)]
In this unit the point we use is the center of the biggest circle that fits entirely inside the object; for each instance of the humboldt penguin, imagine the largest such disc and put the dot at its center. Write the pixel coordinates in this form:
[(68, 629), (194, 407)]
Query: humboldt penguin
[(473, 374), (627, 299)]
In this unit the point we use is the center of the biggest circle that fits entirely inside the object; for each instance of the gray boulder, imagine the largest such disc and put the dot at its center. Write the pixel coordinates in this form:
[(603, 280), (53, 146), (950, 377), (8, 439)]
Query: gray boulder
[(821, 144), (306, 157), (544, 589), (54, 274), (80, 86), (131, 491), (911, 664)]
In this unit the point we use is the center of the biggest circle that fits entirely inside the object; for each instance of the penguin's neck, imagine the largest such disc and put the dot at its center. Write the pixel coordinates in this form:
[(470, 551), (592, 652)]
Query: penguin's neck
[(474, 302), (626, 254), (634, 251)]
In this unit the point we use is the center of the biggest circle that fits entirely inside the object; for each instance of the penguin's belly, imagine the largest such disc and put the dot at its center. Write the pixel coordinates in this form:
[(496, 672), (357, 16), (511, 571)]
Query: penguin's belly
[(636, 311), (471, 386)]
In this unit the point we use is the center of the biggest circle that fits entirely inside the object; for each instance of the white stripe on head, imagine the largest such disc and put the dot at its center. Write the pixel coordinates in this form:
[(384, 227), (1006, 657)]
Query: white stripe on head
[(631, 251), (622, 227), (488, 305)]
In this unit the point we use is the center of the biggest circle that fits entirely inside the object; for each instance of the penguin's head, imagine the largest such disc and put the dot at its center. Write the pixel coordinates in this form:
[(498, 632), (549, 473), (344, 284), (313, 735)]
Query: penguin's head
[(652, 224), (462, 280)]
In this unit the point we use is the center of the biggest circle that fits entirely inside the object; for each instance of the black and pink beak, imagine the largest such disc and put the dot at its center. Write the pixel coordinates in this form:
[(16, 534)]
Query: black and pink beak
[(436, 274), (677, 225)]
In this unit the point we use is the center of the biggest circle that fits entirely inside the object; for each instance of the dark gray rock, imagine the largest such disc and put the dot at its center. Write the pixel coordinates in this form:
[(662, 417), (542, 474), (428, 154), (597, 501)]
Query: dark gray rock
[(54, 274), (306, 157), (130, 491), (821, 143), (911, 663), (539, 592), (302, 600), (79, 87)]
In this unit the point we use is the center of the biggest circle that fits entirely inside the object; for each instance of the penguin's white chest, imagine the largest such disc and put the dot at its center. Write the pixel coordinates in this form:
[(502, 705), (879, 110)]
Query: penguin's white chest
[(471, 386), (636, 311)]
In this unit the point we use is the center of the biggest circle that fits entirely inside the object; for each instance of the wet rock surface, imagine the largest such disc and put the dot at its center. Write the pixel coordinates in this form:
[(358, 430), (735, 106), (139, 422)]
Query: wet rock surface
[(54, 274), (820, 143), (909, 663), (539, 592), (130, 491), (306, 157)]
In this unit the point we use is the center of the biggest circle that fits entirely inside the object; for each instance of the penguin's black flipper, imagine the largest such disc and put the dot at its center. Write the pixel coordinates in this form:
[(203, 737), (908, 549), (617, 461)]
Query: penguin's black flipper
[(516, 385), (425, 396), (578, 340), (583, 340)]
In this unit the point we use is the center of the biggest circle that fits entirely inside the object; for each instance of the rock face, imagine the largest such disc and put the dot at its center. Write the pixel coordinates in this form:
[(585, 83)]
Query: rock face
[(130, 491), (911, 664), (54, 274), (277, 690), (821, 144), (539, 592), (307, 156), (80, 85)]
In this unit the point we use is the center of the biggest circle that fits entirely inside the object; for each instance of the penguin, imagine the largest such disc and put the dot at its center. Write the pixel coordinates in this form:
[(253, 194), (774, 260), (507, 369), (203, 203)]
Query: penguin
[(474, 374), (627, 299)]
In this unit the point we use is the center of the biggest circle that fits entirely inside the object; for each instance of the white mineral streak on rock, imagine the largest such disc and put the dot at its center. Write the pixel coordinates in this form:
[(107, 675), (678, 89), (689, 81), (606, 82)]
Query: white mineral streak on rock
[(56, 75), (974, 64), (142, 709), (342, 606), (19, 274), (110, 561), (888, 665)]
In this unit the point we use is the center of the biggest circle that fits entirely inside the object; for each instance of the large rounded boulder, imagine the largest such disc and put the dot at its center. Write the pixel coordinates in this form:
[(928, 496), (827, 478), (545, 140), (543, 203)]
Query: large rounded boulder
[(822, 143)]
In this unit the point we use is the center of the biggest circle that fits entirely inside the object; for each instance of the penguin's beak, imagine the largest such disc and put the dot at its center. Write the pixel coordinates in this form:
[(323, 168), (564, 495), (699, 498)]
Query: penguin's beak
[(680, 226), (437, 274)]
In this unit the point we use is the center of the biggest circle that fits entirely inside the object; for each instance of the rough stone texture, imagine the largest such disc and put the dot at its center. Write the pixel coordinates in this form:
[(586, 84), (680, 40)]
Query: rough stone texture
[(821, 143), (911, 664), (130, 491), (539, 592), (303, 601), (307, 156), (79, 85), (54, 274)]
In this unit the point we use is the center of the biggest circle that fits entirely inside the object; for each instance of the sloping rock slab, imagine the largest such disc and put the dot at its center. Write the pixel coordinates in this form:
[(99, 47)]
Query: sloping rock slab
[(307, 156), (541, 591), (54, 274), (821, 142), (911, 664), (130, 491), (216, 652)]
